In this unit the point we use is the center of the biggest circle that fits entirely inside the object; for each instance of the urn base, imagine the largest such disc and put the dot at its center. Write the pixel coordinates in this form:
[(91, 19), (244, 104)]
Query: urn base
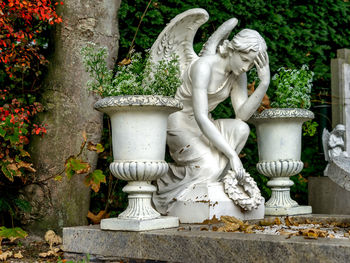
[(284, 211), (139, 225)]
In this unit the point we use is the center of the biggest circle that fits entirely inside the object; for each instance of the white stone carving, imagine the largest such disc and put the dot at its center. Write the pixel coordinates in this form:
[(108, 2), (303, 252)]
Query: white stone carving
[(279, 144), (333, 143), (138, 170), (204, 149), (242, 190), (138, 135), (280, 168), (209, 201)]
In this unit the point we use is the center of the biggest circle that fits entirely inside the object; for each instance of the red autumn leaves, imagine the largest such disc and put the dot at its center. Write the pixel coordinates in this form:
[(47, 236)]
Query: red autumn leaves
[(21, 23)]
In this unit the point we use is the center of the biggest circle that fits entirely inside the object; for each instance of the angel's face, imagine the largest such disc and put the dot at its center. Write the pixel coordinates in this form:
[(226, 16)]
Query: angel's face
[(242, 62)]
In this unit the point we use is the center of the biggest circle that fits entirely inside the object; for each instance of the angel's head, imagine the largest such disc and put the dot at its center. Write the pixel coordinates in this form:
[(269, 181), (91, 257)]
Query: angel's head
[(243, 49), (339, 129)]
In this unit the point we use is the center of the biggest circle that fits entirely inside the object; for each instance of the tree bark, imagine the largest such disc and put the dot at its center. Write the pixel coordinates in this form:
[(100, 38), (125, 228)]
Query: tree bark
[(68, 113)]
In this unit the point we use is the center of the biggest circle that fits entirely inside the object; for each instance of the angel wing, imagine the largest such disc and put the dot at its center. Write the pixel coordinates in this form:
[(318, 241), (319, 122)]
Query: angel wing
[(216, 39), (325, 139), (177, 37)]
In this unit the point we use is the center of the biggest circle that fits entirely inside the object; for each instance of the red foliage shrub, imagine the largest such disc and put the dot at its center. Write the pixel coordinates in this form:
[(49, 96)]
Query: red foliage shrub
[(23, 28)]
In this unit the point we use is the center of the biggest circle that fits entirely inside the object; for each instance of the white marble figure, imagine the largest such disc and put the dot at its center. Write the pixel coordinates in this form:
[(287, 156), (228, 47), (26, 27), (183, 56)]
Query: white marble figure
[(333, 143), (206, 150)]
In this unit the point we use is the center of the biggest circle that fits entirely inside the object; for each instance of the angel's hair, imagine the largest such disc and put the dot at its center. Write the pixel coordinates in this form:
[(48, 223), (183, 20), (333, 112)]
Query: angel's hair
[(340, 128), (245, 41)]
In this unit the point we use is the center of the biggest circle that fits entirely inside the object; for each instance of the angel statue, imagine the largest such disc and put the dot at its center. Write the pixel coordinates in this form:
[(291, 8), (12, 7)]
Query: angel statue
[(206, 150), (333, 143)]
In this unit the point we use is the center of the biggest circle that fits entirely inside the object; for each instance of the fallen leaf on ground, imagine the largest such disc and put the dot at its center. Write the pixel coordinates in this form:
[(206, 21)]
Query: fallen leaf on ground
[(287, 233), (270, 221), (215, 228), (290, 222), (248, 229), (313, 233), (229, 227), (52, 252), (18, 255), (51, 238), (231, 219), (5, 255)]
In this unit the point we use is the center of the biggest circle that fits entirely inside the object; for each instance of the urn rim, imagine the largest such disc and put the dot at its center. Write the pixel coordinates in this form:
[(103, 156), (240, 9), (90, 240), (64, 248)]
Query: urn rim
[(107, 103), (282, 113)]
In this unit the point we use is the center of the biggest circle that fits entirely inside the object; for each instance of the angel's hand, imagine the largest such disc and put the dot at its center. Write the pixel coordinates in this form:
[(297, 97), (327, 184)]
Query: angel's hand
[(262, 65), (237, 167)]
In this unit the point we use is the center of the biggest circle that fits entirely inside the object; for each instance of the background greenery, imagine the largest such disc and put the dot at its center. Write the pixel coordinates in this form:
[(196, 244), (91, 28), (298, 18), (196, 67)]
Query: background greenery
[(296, 33)]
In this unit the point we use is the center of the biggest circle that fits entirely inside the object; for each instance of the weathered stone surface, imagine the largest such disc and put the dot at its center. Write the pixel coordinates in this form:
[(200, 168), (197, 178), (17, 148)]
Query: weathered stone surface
[(127, 224), (339, 172), (68, 113), (193, 245), (93, 240), (327, 197), (208, 201), (340, 84)]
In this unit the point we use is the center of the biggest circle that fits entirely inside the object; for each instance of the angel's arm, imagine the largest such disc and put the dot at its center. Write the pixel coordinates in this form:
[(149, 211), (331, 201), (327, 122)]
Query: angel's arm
[(243, 105), (200, 74), (335, 140)]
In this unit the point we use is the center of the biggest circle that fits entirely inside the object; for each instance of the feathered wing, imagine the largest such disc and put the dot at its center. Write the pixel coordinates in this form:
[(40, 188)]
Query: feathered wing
[(177, 37), (222, 33), (325, 139)]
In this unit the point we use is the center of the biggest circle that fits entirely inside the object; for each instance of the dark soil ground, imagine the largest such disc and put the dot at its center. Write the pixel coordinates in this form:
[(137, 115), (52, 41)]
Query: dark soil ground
[(30, 248)]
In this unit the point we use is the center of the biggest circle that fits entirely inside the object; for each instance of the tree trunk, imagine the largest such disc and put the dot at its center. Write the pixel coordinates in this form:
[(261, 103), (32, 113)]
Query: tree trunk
[(68, 113)]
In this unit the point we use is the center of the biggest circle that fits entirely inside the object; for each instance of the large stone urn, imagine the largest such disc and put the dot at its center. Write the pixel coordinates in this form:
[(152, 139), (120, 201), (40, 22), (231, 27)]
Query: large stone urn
[(139, 125), (279, 133)]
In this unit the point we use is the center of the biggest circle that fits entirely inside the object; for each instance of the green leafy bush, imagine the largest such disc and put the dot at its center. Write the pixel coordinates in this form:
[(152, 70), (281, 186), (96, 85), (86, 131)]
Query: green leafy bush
[(134, 76), (292, 88)]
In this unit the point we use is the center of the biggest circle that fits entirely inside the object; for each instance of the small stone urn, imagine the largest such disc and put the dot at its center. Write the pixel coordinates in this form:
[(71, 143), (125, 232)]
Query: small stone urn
[(279, 133), (139, 125)]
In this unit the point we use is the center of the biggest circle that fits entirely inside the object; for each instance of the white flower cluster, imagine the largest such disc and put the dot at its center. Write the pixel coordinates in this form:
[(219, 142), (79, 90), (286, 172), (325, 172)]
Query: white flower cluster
[(293, 88)]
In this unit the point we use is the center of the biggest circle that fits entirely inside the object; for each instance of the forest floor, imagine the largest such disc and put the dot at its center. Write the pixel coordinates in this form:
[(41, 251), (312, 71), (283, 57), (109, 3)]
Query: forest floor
[(31, 249)]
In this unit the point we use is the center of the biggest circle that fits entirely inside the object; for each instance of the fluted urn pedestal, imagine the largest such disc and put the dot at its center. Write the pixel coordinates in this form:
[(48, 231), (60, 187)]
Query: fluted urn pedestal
[(139, 126), (279, 133)]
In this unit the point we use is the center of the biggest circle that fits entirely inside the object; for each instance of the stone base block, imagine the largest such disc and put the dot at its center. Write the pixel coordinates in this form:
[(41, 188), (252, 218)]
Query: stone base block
[(327, 197), (188, 244), (207, 202), (288, 211), (139, 225)]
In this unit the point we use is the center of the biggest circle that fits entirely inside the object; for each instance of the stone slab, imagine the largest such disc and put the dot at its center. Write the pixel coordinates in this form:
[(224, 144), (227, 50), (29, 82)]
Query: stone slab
[(139, 225), (284, 211), (189, 244), (327, 197), (209, 201), (339, 171)]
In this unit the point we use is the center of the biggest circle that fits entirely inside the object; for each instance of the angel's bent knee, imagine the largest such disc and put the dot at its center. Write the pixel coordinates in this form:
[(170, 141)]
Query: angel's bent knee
[(242, 129)]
